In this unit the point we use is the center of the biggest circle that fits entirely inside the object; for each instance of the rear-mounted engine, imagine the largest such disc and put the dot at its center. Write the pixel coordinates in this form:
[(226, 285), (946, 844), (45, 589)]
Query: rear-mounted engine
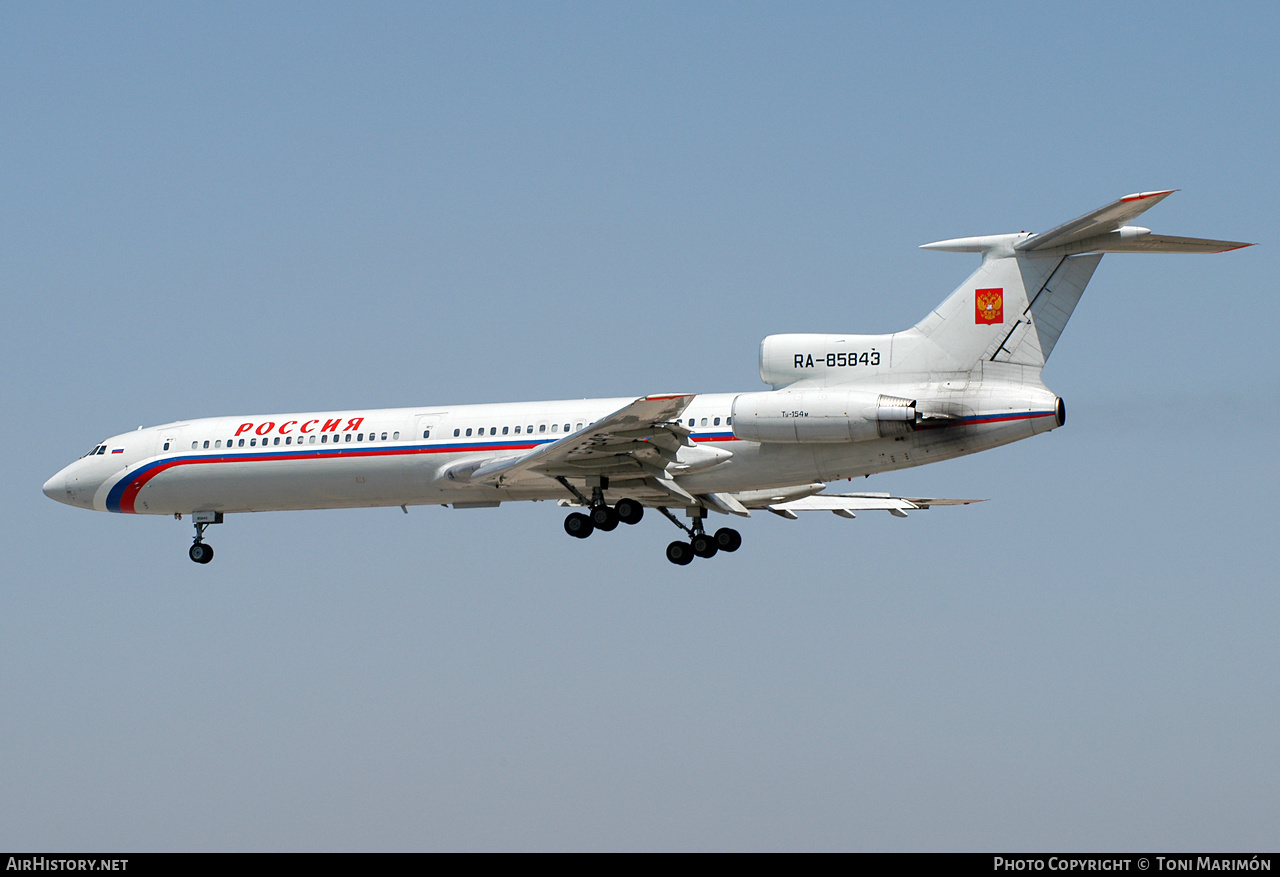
[(821, 416)]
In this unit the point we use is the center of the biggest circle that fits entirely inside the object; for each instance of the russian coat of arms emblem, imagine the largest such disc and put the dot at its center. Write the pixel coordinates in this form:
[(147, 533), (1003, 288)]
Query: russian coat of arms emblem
[(988, 306)]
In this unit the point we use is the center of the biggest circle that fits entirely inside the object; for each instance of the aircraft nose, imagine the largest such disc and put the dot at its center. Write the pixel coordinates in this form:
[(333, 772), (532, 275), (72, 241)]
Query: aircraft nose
[(63, 488), (55, 487)]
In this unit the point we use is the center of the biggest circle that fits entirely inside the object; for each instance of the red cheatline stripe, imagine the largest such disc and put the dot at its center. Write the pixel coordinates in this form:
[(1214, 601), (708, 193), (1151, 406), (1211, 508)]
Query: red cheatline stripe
[(139, 479)]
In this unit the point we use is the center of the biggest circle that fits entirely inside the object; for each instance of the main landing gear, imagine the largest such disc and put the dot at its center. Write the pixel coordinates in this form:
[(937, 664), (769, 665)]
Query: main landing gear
[(700, 544), (600, 516), (628, 511), (199, 551)]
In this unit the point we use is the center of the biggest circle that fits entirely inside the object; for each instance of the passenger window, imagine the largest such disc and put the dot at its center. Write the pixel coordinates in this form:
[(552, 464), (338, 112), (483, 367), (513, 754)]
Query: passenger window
[(529, 429), (728, 421), (242, 443), (555, 427), (717, 422), (277, 441), (542, 427), (579, 426), (288, 440), (517, 430), (218, 443), (493, 430), (324, 439), (253, 442), (704, 421), (396, 435), (426, 434), (359, 437), (504, 430), (468, 430), (166, 446), (348, 438), (455, 433)]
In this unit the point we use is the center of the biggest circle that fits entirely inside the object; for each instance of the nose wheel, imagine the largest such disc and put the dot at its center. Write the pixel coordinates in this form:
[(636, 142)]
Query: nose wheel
[(200, 551)]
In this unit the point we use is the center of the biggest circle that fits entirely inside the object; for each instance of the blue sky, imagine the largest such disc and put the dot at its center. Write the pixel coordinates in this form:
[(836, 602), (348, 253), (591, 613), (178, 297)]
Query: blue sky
[(253, 208)]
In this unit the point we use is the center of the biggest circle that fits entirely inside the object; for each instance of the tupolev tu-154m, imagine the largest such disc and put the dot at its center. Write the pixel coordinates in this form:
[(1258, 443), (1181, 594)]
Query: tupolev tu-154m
[(964, 379)]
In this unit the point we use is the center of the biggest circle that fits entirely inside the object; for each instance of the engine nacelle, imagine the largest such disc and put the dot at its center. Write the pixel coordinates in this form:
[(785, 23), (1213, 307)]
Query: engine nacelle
[(821, 416)]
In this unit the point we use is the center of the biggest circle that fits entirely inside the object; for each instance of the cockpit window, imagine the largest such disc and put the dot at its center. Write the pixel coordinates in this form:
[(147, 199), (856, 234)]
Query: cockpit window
[(102, 449)]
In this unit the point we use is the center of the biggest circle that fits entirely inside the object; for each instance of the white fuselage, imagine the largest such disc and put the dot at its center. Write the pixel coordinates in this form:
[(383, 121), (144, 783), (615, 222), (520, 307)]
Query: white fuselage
[(410, 456), (965, 378)]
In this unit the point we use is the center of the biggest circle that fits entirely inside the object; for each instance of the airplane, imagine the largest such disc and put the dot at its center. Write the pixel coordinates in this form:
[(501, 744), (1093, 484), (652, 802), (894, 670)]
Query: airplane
[(964, 379)]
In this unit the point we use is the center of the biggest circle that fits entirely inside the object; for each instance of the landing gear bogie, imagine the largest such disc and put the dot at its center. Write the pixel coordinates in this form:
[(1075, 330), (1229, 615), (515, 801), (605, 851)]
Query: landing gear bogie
[(700, 544), (599, 515)]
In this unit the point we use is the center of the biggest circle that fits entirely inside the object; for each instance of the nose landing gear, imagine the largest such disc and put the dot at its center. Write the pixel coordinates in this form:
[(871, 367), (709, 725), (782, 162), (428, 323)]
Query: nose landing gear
[(200, 552)]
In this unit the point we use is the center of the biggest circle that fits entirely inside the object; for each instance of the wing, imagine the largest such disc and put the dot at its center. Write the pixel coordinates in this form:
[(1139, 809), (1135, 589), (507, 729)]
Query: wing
[(640, 439), (846, 505)]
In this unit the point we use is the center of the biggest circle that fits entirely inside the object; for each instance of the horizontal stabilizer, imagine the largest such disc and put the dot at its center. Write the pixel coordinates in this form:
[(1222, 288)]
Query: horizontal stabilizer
[(1097, 222), (1107, 230), (1142, 241)]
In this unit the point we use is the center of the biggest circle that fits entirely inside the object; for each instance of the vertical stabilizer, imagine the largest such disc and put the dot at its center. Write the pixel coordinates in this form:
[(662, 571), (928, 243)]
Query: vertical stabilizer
[(1014, 307), (1012, 310)]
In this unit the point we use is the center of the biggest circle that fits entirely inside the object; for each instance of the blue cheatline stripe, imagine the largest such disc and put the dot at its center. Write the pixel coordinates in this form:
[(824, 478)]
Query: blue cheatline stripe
[(122, 495)]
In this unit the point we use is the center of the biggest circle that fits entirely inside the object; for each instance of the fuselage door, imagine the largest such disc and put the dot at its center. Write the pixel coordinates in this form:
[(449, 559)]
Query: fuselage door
[(170, 441), (429, 426)]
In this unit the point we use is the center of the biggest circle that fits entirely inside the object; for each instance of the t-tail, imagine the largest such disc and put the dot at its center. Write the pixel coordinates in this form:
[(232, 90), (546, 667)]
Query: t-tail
[(1011, 310)]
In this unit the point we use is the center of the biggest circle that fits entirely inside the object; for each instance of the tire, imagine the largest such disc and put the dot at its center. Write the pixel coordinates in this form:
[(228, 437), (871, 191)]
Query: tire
[(629, 511), (728, 539), (200, 552), (604, 518), (704, 545), (578, 525), (680, 553)]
